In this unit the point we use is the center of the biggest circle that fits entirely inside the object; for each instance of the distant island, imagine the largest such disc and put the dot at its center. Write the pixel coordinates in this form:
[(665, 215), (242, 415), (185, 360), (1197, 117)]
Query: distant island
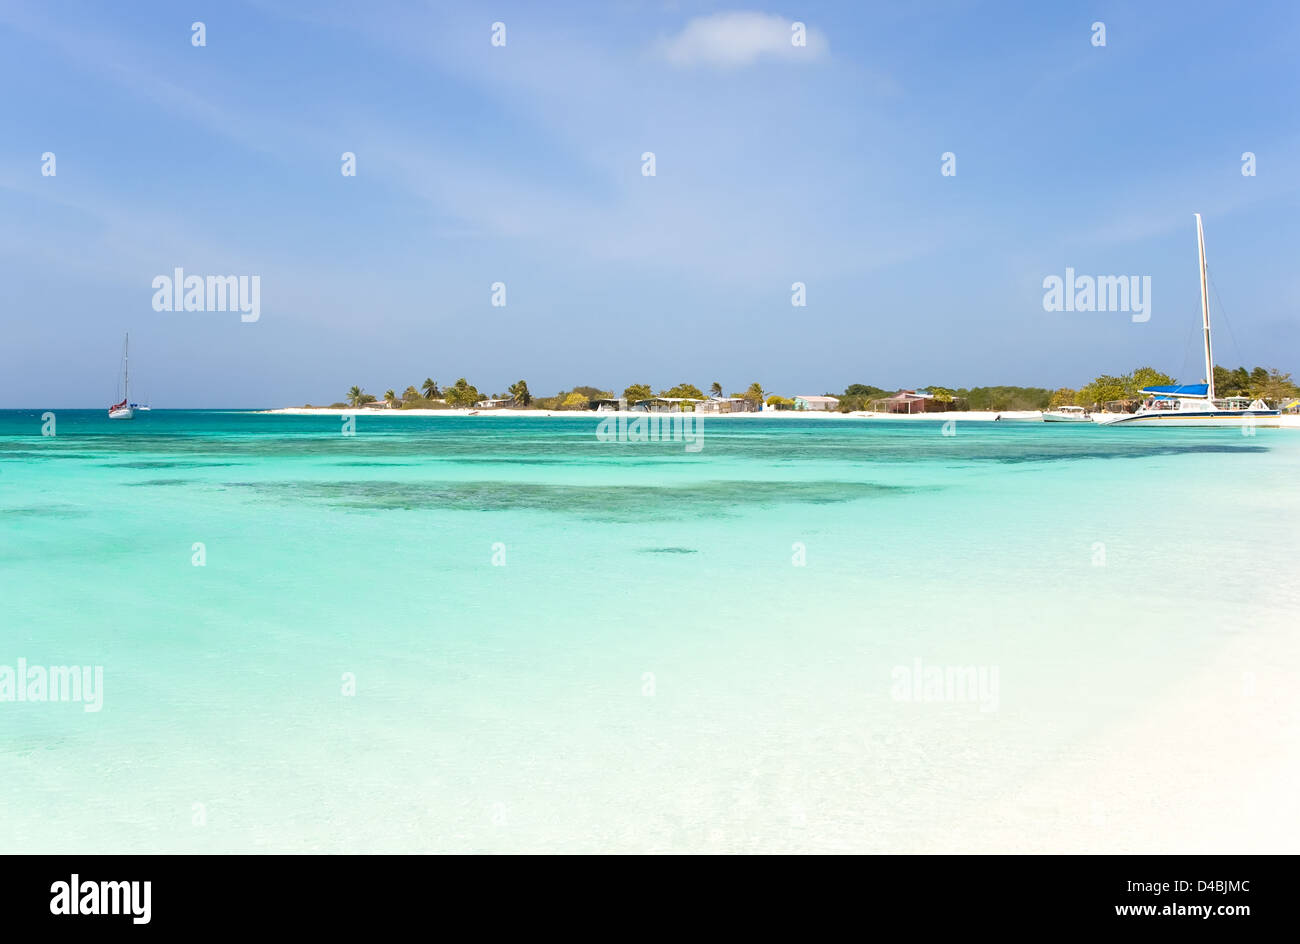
[(1104, 393)]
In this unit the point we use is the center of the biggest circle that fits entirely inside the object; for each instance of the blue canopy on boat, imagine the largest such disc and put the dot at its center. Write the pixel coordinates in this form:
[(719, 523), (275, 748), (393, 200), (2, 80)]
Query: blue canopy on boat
[(1180, 390)]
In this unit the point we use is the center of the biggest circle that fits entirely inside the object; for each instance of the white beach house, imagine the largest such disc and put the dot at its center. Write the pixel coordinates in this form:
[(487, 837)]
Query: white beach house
[(666, 405), (816, 403)]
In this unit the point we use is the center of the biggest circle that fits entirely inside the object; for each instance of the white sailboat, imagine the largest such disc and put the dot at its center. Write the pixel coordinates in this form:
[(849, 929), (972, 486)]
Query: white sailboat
[(123, 410), (1195, 405)]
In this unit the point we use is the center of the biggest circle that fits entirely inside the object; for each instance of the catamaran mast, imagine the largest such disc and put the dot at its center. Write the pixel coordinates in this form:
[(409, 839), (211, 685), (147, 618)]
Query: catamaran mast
[(1205, 312)]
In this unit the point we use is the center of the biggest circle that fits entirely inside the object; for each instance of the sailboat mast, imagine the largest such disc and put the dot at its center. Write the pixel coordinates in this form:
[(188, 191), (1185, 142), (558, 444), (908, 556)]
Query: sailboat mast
[(126, 368), (1205, 311)]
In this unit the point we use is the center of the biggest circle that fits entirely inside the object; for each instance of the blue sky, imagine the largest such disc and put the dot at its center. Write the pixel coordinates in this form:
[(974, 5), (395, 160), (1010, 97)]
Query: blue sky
[(522, 164)]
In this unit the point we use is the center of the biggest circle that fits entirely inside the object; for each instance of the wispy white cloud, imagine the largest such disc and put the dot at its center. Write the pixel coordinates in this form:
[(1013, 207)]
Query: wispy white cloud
[(741, 38)]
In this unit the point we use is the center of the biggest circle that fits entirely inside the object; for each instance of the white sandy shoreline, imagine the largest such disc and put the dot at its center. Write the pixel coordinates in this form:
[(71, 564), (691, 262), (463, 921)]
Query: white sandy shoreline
[(1286, 421), (1208, 767), (986, 416)]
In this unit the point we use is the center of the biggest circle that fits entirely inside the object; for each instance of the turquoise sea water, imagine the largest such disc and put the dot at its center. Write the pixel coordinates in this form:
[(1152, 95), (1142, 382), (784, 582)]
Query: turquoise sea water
[(572, 645)]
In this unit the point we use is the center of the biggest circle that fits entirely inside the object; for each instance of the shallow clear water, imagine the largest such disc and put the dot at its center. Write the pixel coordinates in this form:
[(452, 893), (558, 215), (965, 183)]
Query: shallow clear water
[(566, 644)]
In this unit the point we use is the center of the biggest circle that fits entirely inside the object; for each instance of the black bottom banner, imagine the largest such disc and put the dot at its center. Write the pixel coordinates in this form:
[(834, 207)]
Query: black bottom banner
[(144, 894)]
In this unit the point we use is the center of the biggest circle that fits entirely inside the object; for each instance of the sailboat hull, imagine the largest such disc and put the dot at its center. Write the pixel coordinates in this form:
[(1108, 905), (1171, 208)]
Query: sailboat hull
[(126, 413), (1207, 420)]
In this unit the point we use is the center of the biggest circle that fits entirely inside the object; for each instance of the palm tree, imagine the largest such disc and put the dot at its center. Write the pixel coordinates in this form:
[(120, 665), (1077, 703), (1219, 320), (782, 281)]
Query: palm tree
[(356, 396), (520, 392), (716, 389), (430, 388), (390, 398)]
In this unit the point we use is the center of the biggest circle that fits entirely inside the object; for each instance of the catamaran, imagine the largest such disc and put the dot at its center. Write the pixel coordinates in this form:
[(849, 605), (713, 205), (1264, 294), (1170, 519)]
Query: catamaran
[(123, 410), (1195, 404)]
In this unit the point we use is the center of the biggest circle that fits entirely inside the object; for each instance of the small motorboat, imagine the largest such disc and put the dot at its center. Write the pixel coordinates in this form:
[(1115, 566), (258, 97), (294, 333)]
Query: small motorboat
[(1067, 414)]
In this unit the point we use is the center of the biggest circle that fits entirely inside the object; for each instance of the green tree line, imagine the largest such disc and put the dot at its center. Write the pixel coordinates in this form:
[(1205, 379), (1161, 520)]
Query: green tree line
[(1266, 382)]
